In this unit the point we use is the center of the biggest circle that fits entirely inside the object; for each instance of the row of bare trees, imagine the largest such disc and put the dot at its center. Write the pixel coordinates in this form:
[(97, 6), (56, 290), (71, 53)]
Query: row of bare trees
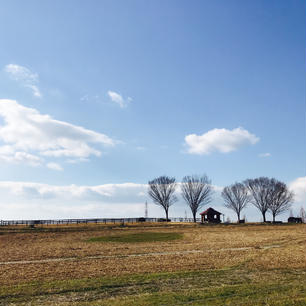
[(195, 190), (266, 194)]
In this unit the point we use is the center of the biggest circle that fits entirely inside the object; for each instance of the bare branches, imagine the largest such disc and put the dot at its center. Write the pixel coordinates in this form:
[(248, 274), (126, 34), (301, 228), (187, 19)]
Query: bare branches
[(196, 191), (303, 214), (280, 198), (161, 190), (266, 194), (269, 194), (236, 197), (259, 190)]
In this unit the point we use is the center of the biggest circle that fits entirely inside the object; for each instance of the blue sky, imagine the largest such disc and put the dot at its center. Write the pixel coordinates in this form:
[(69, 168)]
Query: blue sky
[(120, 92)]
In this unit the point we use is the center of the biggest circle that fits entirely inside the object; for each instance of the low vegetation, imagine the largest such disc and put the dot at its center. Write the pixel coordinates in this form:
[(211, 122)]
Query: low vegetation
[(138, 237), (196, 265)]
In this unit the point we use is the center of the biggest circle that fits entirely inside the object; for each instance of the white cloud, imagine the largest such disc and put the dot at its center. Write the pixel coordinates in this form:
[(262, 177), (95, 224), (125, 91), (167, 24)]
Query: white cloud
[(117, 98), (27, 134), (219, 140), (25, 77), (298, 186), (54, 166), (8, 154), (77, 160), (264, 154)]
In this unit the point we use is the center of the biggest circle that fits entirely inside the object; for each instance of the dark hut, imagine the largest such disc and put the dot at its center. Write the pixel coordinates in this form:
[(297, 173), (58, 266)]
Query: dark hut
[(295, 220), (210, 215)]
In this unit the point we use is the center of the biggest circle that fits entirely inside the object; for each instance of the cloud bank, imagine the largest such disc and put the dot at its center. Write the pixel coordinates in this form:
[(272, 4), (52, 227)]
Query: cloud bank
[(30, 137), (29, 200), (219, 140), (298, 186), (20, 200)]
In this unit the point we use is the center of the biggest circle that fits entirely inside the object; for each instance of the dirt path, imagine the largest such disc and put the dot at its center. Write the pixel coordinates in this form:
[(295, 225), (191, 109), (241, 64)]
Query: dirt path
[(60, 259)]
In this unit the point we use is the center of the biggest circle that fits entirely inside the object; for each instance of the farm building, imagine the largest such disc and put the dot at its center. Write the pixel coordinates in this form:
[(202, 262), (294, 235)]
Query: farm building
[(295, 220), (210, 215)]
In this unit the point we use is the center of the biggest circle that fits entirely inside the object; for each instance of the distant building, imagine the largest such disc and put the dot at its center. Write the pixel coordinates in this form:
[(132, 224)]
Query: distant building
[(295, 220), (210, 215)]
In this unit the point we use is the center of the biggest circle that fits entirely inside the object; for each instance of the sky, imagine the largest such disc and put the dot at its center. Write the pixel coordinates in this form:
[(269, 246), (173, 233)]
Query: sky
[(99, 97)]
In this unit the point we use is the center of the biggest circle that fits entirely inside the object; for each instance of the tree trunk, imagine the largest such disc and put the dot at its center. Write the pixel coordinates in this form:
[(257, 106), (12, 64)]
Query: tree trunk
[(273, 217), (166, 210), (238, 215), (194, 217), (264, 216)]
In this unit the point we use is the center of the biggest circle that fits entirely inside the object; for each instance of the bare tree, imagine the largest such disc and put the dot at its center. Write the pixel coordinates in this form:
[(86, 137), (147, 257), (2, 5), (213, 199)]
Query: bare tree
[(161, 190), (280, 198), (259, 191), (236, 197), (196, 191), (303, 214)]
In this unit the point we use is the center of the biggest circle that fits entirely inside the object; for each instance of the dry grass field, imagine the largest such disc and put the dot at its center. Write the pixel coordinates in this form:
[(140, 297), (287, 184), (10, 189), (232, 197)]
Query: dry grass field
[(186, 265)]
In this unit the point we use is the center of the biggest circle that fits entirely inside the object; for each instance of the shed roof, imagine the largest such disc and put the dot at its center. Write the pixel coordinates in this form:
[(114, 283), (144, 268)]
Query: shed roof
[(210, 211)]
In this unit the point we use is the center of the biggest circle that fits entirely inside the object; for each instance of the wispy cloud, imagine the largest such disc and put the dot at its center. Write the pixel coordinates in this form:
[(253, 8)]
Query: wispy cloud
[(54, 166), (141, 148), (117, 98), (9, 154), (87, 98), (25, 77), (264, 154), (219, 140), (28, 135)]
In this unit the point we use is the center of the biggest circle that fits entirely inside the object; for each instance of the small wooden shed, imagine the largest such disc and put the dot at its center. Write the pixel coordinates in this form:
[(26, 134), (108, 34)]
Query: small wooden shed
[(210, 215), (295, 220)]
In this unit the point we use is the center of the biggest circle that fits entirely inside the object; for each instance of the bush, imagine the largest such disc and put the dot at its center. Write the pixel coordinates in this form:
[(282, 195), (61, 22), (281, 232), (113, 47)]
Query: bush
[(163, 220)]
